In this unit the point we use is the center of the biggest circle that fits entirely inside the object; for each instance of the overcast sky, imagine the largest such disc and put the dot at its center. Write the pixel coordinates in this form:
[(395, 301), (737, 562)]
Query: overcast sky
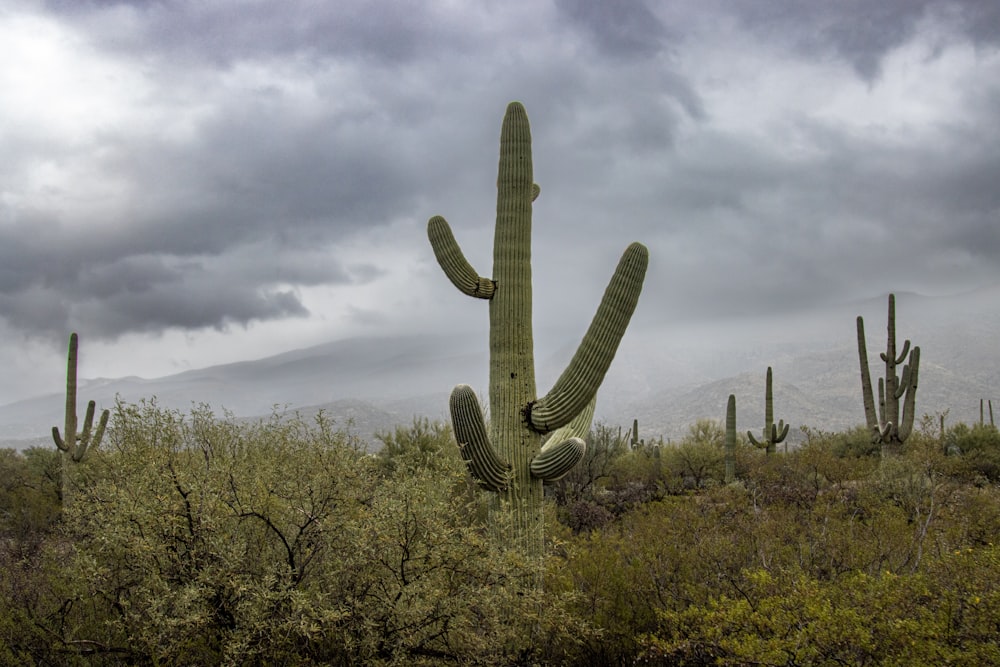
[(190, 183)]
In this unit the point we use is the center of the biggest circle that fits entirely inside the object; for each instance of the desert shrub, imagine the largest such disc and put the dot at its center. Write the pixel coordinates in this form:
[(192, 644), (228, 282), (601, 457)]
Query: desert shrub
[(946, 615), (853, 443), (422, 444), (975, 452), (208, 540)]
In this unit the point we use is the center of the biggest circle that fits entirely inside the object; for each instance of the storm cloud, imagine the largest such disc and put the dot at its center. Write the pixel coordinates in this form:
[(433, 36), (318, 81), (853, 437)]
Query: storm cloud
[(265, 170)]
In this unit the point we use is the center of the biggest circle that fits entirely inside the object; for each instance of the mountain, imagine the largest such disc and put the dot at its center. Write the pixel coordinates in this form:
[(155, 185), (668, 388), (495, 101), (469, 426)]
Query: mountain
[(666, 374)]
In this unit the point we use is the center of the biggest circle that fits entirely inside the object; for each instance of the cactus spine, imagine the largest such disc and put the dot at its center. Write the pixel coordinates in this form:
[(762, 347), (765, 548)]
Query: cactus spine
[(890, 426), (74, 446), (730, 450), (773, 433), (508, 457)]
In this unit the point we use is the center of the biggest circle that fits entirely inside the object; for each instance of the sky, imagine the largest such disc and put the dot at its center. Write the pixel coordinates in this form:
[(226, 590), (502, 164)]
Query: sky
[(187, 183)]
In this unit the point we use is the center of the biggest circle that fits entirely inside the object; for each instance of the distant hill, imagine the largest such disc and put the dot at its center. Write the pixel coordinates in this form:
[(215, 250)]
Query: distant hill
[(667, 375)]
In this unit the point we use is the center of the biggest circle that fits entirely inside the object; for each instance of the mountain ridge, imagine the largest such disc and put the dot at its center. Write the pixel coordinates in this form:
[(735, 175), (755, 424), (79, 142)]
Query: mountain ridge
[(667, 376)]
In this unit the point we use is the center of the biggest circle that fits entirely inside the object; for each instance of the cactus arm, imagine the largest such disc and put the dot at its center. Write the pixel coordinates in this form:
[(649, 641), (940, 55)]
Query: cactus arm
[(779, 431), (871, 418), (903, 383), (909, 402), (784, 433), (85, 439), (453, 263), (489, 470), (754, 442), (883, 417), (578, 427), (565, 447), (901, 357), (60, 444), (556, 460), (578, 384)]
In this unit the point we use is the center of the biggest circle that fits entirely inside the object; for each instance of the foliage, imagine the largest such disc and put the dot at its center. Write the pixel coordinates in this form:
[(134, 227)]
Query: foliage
[(977, 449), (723, 574), (424, 444), (198, 539), (945, 616), (211, 541)]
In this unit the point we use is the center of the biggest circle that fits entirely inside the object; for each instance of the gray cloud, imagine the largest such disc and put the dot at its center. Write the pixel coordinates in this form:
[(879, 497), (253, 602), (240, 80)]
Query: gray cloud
[(226, 31), (618, 27), (863, 32), (261, 145)]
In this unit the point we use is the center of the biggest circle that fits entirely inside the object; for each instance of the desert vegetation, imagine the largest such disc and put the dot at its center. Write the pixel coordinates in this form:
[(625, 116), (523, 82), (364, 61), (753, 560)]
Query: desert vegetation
[(202, 539)]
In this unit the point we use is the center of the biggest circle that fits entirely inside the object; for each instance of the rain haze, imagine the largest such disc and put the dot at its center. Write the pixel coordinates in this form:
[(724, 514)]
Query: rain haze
[(196, 183)]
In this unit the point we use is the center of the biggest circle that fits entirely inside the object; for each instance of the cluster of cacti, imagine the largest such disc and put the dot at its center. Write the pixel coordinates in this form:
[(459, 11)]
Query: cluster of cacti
[(773, 433), (892, 424), (730, 446), (508, 455), (74, 445)]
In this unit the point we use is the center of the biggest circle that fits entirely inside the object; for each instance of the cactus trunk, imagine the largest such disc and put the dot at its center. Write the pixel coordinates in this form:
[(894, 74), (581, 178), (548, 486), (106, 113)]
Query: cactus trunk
[(511, 457), (730, 453)]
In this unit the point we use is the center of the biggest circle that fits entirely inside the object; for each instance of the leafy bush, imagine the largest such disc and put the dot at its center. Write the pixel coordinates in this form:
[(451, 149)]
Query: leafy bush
[(201, 540)]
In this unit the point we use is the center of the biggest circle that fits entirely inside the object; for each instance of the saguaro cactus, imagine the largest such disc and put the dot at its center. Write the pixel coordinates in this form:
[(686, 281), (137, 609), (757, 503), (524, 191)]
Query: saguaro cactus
[(773, 433), (890, 426), (981, 422), (74, 446), (636, 443), (508, 457), (730, 449)]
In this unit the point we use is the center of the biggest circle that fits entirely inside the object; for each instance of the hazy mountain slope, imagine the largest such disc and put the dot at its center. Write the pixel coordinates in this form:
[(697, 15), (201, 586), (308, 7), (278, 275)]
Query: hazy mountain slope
[(666, 374)]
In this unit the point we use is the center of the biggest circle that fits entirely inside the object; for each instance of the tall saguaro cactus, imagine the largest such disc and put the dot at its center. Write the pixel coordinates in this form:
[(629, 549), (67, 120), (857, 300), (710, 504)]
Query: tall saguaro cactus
[(730, 447), (773, 433), (74, 446), (890, 426), (509, 457)]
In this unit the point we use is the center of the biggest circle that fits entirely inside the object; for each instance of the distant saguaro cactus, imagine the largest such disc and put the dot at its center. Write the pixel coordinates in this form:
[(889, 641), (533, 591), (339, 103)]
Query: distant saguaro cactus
[(773, 433), (74, 446), (890, 426), (981, 422), (509, 456), (730, 448), (636, 443)]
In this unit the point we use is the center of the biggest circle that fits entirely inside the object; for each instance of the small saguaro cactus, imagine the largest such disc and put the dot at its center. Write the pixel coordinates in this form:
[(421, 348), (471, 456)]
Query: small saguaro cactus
[(74, 446), (773, 433), (508, 456), (636, 443), (890, 426), (730, 447)]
